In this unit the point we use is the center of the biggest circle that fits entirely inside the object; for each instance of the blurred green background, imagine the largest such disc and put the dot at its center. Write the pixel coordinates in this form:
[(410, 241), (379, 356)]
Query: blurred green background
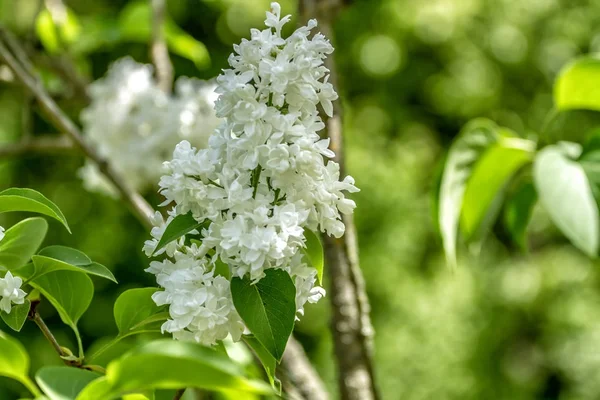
[(504, 325)]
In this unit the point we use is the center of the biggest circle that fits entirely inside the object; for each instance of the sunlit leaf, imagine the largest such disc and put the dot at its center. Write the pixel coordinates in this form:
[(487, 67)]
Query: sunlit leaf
[(488, 180), (55, 258), (21, 241), (474, 139), (168, 364), (14, 362), (17, 316), (565, 193), (576, 85), (63, 383), (18, 199)]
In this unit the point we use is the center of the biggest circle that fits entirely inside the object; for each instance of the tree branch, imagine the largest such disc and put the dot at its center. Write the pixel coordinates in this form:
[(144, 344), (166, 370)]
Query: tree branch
[(60, 120), (158, 47), (300, 373), (351, 324), (41, 145)]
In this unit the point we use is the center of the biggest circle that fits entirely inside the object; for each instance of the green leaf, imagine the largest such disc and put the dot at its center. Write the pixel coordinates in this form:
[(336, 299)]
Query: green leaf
[(565, 192), (16, 199), (179, 226), (268, 308), (314, 252), (266, 359), (134, 307), (473, 140), (576, 85), (14, 362), (17, 316), (63, 383), (21, 241), (69, 292), (168, 364), (135, 24), (66, 254), (56, 258), (46, 31), (517, 213), (135, 313), (488, 181)]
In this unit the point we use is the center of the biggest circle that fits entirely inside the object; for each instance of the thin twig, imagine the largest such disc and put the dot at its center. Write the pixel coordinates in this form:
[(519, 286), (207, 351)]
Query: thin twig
[(35, 317), (158, 47), (351, 324), (42, 145), (57, 117)]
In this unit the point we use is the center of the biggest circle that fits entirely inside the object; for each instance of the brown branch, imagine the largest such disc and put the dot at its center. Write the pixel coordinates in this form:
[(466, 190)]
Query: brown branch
[(42, 145), (35, 317), (301, 375), (158, 47), (60, 120), (351, 324)]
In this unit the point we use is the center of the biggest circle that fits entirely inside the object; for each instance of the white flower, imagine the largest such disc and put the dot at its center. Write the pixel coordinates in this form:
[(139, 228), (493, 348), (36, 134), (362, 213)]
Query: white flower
[(10, 292), (134, 125), (264, 179)]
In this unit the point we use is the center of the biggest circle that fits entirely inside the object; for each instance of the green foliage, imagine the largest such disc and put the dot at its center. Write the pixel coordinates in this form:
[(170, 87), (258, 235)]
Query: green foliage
[(266, 358), (168, 364), (57, 258), (577, 85), (21, 241), (14, 362), (19, 199), (179, 226), (314, 253), (517, 213), (267, 307), (17, 316), (55, 34), (63, 383), (135, 308), (480, 164), (566, 194)]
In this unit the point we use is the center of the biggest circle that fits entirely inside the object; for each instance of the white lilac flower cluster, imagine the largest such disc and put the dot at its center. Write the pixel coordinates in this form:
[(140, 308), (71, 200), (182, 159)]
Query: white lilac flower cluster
[(135, 125), (10, 288), (263, 181)]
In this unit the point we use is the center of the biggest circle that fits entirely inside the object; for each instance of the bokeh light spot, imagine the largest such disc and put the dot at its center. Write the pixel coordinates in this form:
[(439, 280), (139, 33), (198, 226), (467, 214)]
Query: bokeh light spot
[(380, 55)]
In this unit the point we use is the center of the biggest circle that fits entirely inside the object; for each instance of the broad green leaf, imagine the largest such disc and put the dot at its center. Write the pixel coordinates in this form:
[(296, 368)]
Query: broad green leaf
[(517, 213), (576, 85), (488, 181), (14, 362), (44, 265), (134, 307), (179, 226), (21, 241), (565, 192), (66, 254), (314, 252), (474, 139), (17, 316), (168, 364), (16, 199), (69, 292), (266, 359), (135, 313), (267, 307), (63, 383)]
